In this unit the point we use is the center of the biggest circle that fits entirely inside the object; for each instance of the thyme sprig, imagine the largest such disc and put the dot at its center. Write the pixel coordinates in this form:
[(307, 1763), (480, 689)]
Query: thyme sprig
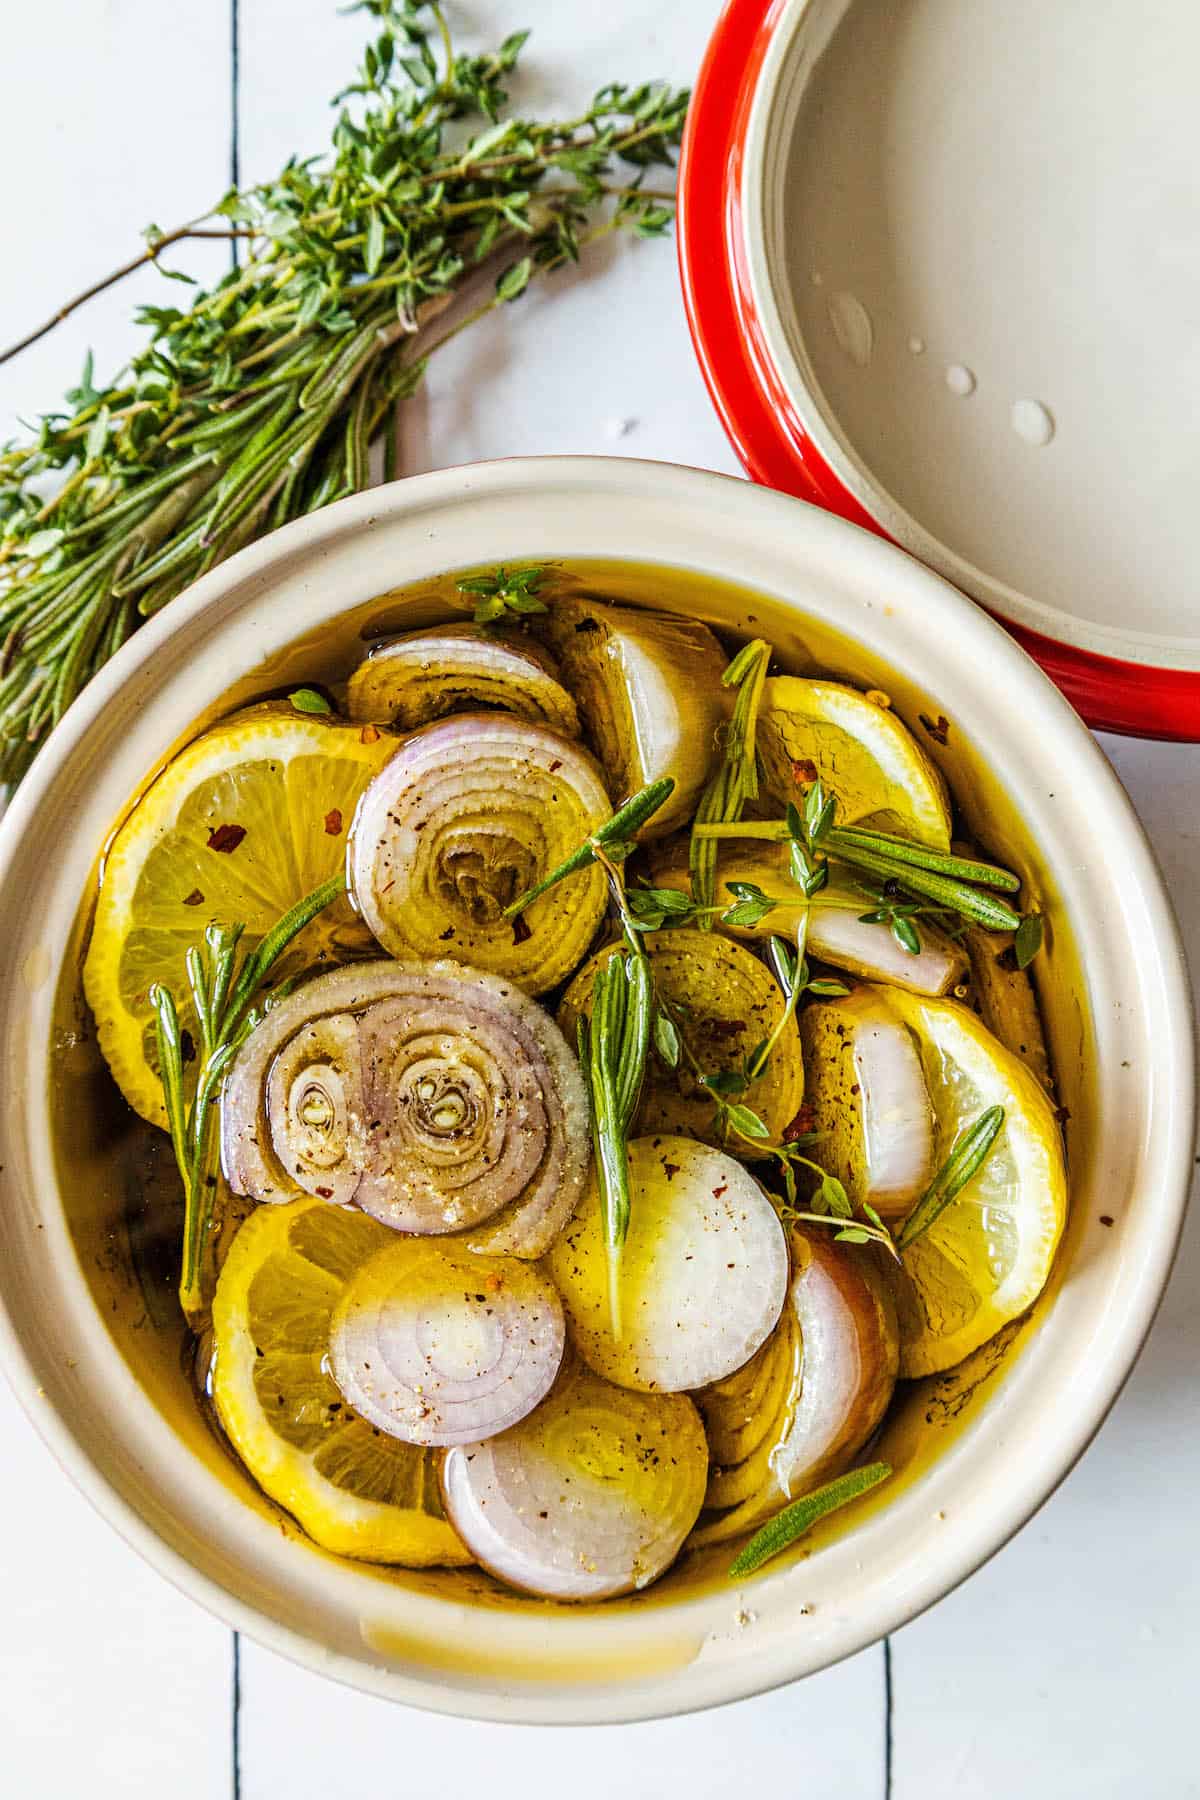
[(259, 402), (507, 592), (961, 886), (226, 1001)]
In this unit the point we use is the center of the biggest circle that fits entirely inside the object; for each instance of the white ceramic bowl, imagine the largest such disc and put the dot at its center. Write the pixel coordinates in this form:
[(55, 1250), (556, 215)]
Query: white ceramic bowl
[(1118, 1013)]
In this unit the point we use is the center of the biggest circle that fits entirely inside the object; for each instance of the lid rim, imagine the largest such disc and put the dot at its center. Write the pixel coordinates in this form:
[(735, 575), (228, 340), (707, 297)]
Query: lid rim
[(1117, 686)]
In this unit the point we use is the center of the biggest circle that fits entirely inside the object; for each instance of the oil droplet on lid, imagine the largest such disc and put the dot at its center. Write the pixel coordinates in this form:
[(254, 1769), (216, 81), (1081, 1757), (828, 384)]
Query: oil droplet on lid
[(960, 380), (1032, 421), (852, 326), (917, 345)]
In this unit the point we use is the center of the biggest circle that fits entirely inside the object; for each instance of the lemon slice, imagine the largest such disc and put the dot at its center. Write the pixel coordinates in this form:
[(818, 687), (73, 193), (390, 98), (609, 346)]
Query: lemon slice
[(354, 1489), (989, 1255), (862, 753), (241, 825)]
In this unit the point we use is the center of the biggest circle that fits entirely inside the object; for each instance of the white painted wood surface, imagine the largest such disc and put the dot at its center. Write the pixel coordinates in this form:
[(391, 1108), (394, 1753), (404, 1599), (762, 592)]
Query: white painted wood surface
[(1061, 1669)]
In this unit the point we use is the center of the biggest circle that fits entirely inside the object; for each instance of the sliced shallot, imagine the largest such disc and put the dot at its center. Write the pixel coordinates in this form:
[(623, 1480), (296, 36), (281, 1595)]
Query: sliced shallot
[(837, 933), (437, 1346), (435, 1097), (591, 1495), (649, 688), (727, 1003), (703, 1272), (803, 1409), (465, 818), (409, 680), (869, 1100)]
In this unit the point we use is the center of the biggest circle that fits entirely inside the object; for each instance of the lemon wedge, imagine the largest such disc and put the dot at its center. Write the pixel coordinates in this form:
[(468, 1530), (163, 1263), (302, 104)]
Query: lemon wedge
[(243, 823), (989, 1255), (863, 754), (355, 1490)]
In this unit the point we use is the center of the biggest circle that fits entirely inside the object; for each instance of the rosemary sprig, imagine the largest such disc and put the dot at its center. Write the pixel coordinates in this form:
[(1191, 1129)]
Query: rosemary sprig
[(614, 839), (259, 401), (613, 1047), (736, 781), (224, 999), (615, 1043), (792, 1523), (969, 1152)]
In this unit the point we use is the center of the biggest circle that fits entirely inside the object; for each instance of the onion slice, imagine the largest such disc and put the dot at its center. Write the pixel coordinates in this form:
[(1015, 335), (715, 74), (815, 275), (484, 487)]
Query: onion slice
[(837, 933), (869, 1100), (409, 680), (703, 1272), (1003, 996), (803, 1409), (465, 818), (727, 1004), (437, 1346), (649, 688), (447, 1101), (592, 1495)]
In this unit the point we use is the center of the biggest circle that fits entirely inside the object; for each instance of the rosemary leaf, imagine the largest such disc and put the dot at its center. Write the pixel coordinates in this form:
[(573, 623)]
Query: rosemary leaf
[(787, 1526), (970, 1151)]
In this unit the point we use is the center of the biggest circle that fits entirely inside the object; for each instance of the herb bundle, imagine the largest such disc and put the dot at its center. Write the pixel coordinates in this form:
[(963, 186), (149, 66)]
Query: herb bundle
[(260, 402)]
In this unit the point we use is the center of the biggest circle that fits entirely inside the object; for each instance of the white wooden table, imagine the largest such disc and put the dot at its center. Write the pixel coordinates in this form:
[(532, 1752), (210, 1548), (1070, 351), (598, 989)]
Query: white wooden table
[(1065, 1667)]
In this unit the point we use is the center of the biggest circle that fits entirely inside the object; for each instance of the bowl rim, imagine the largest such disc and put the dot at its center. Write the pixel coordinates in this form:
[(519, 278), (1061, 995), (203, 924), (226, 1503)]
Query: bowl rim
[(778, 428), (1169, 1082)]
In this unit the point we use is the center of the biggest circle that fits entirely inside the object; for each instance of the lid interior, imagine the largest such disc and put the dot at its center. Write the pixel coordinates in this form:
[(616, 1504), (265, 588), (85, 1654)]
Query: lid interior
[(978, 272)]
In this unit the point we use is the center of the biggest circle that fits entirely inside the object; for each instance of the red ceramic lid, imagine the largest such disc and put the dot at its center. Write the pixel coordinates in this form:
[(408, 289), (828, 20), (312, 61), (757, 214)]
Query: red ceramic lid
[(940, 282)]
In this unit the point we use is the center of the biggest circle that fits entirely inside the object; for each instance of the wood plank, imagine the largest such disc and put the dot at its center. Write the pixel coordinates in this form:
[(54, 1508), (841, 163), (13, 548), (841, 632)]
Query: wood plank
[(118, 123), (1064, 1667), (821, 1739), (110, 1681)]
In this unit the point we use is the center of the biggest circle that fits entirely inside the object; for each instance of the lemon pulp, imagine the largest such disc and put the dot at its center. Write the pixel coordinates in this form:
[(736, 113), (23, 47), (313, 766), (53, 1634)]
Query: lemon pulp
[(354, 1489), (245, 822), (988, 1257)]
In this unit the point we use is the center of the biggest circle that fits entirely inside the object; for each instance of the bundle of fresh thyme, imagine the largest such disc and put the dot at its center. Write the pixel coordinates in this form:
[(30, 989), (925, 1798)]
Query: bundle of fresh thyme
[(260, 401)]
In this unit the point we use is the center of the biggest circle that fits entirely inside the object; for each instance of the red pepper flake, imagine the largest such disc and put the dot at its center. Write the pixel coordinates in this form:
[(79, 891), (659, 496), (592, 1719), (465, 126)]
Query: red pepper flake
[(1062, 1114), (333, 822), (800, 1126), (723, 1189), (556, 765), (671, 1170), (521, 931), (804, 770), (493, 1283), (939, 732), (445, 936), (325, 1193), (226, 838), (195, 898), (1105, 1219), (369, 734)]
